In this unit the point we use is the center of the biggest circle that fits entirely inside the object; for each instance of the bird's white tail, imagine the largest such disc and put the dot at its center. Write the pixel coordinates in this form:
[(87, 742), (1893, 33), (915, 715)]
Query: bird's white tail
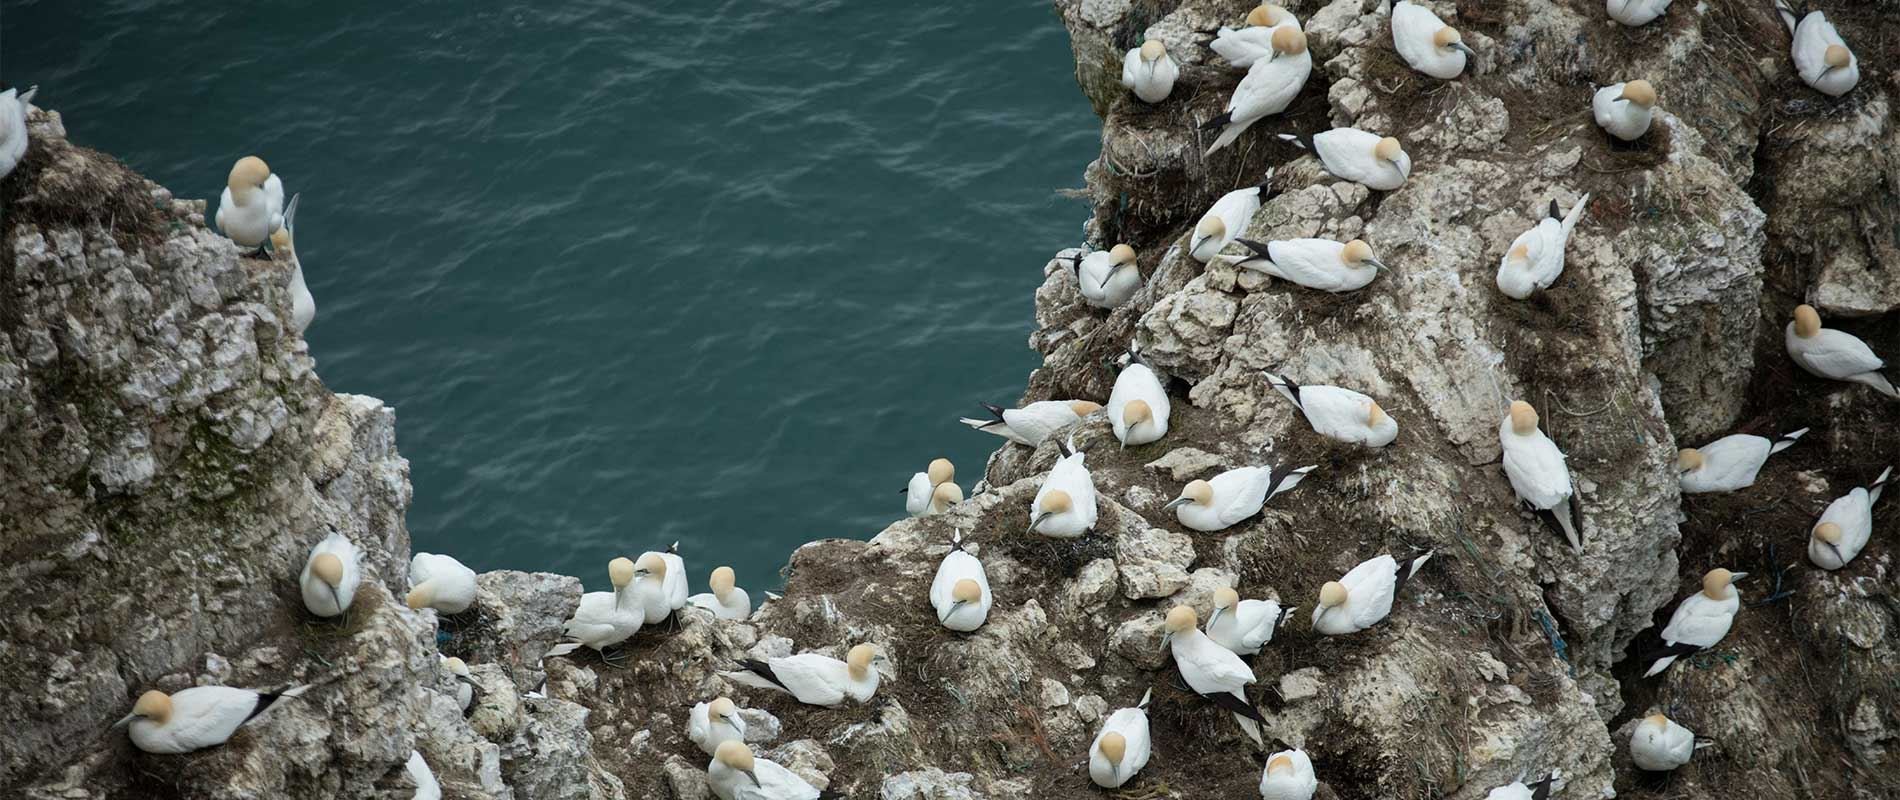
[(1419, 563), (1879, 382), (988, 426), (296, 691), (1787, 15), (1145, 697), (1660, 665), (1291, 479), (1227, 136), (1873, 492), (561, 649), (27, 96), (751, 679), (1576, 213), (1786, 441), (1252, 730)]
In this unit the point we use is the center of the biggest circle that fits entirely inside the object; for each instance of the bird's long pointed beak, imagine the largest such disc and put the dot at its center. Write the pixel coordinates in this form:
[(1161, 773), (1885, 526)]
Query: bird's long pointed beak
[(1464, 48), (1837, 552), (1377, 264), (1034, 523), (124, 721), (1166, 639), (336, 598), (755, 778), (1212, 617), (1737, 576), (1177, 503), (945, 617)]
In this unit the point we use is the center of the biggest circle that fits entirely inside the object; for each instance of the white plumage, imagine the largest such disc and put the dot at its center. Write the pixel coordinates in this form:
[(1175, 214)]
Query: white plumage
[(13, 136), (440, 582), (303, 307), (1064, 508), (1269, 87), (712, 724), (659, 584), (1518, 790), (1288, 776), (427, 788), (1212, 671), (1728, 463), (1149, 72), (1426, 42), (1224, 500), (813, 679), (333, 559), (464, 682), (1845, 526), (196, 718), (251, 208), (1536, 257), (1243, 626), (1313, 263), (604, 619), (1378, 163), (1636, 12), (726, 600), (1700, 620), (954, 612), (1367, 595), (1138, 406), (1837, 355), (1624, 118), (1224, 220), (1108, 278), (765, 780), (1032, 423), (1114, 765), (1659, 744), (1537, 471), (1815, 43), (1340, 414), (1243, 46)]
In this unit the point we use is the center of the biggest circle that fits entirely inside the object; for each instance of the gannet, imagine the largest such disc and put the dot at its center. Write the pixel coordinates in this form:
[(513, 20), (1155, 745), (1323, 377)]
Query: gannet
[(736, 775), (1120, 749), (1288, 776), (1518, 790), (1538, 475), (1138, 407), (1212, 671), (1364, 596), (1107, 278), (1149, 71), (1032, 423), (1728, 463), (1700, 620), (1427, 43), (1244, 625), (1341, 414), (812, 678), (1536, 257), (1269, 87), (427, 788), (1624, 109), (659, 584), (604, 619), (934, 490), (1064, 507), (1844, 527), (961, 590), (712, 724), (13, 110), (441, 583), (1820, 54), (1313, 263), (1243, 46), (1833, 354), (252, 205), (1350, 154), (726, 600), (1637, 12), (1231, 496), (1658, 744), (465, 688), (303, 307), (1227, 218), (196, 718), (330, 576)]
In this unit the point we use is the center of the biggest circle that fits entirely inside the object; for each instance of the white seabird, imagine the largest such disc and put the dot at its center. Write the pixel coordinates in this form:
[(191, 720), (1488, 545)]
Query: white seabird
[(252, 205), (1658, 744), (814, 679), (934, 490), (1821, 56), (1624, 109), (427, 787), (303, 307), (960, 592), (1245, 45), (464, 682), (1288, 776), (1837, 355), (1518, 790), (330, 576), (1364, 596), (1728, 463), (1244, 625), (1538, 474), (712, 724), (1149, 72), (659, 584), (736, 775), (1845, 526), (1269, 87), (1138, 407), (1340, 414), (1232, 496), (196, 718), (1536, 257), (1375, 162), (440, 582), (13, 108), (1226, 219), (1032, 423), (1637, 12), (604, 619), (1313, 263), (1427, 43), (1107, 278), (1699, 621), (1212, 671), (1120, 749), (726, 600), (1064, 508)]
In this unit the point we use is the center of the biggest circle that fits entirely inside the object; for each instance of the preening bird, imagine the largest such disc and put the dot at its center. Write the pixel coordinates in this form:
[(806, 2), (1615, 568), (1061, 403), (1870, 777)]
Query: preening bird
[(934, 490), (1244, 625), (1269, 87), (659, 584), (604, 619), (330, 576), (1536, 257), (1728, 463), (1120, 749), (14, 105), (1658, 744), (1538, 474), (1138, 407), (960, 592), (1846, 525), (1832, 354), (1624, 109), (1032, 423), (1226, 219), (1212, 671), (1064, 508), (1243, 46), (1363, 597), (252, 205), (1313, 263), (196, 718), (1232, 496), (1427, 43), (1821, 56), (726, 600), (736, 775), (1107, 278), (1339, 414), (1637, 12), (1149, 72), (1700, 620), (1375, 162), (1288, 776), (710, 725), (814, 679), (440, 582), (303, 307)]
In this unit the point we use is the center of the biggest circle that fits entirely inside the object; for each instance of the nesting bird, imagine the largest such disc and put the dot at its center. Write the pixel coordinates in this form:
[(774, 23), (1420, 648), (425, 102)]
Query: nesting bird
[(1518, 790), (13, 108), (1363, 597), (1832, 354), (303, 307), (440, 582), (1269, 87), (1536, 257), (934, 490), (1226, 219), (1288, 776), (1138, 407), (736, 775), (1244, 625), (726, 600), (252, 205), (330, 576), (604, 619), (196, 718), (1212, 671), (1032, 423), (1107, 278), (1624, 109), (814, 679), (465, 689), (1313, 263), (1339, 414), (1064, 508), (1538, 474), (1658, 744), (1699, 621), (427, 787), (712, 724), (1427, 43), (1845, 526), (1149, 72), (1376, 162), (1231, 496), (1728, 463), (1245, 45), (1120, 749), (960, 592), (1820, 54), (659, 584), (1637, 12)]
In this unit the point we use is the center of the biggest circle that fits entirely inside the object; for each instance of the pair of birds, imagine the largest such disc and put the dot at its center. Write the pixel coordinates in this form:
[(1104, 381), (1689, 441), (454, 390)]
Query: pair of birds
[(645, 592), (333, 570), (934, 490), (252, 211), (1138, 412), (734, 772), (1122, 748), (1821, 56)]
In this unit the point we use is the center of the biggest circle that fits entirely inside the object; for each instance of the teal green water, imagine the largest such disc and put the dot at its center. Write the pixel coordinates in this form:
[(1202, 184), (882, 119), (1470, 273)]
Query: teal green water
[(724, 273)]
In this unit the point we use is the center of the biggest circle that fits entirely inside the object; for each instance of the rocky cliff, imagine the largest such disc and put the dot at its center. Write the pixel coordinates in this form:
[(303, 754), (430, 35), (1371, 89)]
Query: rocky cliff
[(168, 454)]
